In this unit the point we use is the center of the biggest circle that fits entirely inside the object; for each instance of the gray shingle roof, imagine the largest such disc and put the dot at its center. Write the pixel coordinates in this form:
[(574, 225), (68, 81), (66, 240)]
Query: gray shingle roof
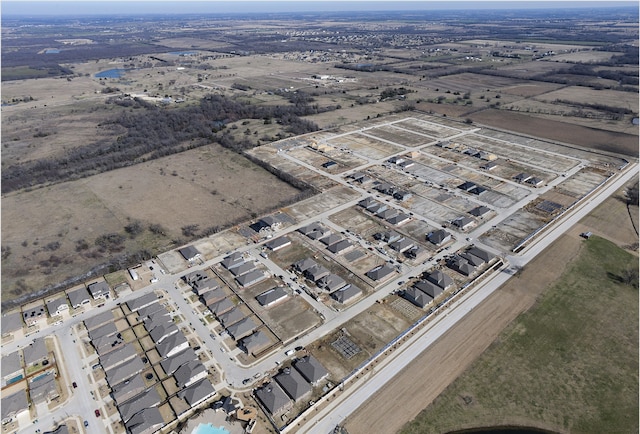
[(124, 371), (78, 296), (273, 397), (172, 363), (272, 296), (417, 297), (310, 368), (256, 342), (186, 372), (11, 322), (253, 276), (440, 278), (14, 404), (242, 328), (293, 384), (34, 352), (146, 421), (127, 389), (429, 288), (98, 320), (140, 302), (231, 317), (197, 392), (117, 357), (147, 399), (344, 295)]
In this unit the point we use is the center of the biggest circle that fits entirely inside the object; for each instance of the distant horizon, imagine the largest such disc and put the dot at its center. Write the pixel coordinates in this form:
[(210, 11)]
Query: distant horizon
[(26, 8)]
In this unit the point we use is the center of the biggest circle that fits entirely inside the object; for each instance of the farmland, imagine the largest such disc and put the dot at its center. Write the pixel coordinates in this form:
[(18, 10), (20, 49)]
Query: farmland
[(55, 107)]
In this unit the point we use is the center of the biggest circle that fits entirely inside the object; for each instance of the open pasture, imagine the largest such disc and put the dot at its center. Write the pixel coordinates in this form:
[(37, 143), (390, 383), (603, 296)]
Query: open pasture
[(198, 187), (588, 96)]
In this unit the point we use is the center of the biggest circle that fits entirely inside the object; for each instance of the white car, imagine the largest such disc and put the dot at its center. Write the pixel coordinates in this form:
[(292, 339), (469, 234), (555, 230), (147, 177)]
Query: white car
[(289, 353)]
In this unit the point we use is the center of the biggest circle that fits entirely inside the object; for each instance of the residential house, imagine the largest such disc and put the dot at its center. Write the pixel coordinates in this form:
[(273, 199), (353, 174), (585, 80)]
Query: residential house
[(388, 237), (273, 398), (11, 323), (34, 353), (242, 328), (304, 265), (99, 290), (386, 214), (316, 273), (221, 306), (57, 306), (189, 373), (380, 272), (43, 389), (340, 247), (124, 371), (439, 237), (293, 384), (311, 369), (402, 245), (463, 222), (399, 219), (251, 278), (146, 421), (14, 406), (79, 297), (278, 243), (331, 282), (522, 177), (127, 389), (231, 317), (243, 268), (170, 364), (480, 211), (346, 294), (233, 260), (162, 331), (98, 320), (34, 314), (438, 277), (172, 345), (255, 343), (147, 399), (118, 357), (140, 302), (480, 253), (189, 253), (429, 288), (330, 239), (461, 265), (11, 367), (417, 297), (197, 392), (272, 296)]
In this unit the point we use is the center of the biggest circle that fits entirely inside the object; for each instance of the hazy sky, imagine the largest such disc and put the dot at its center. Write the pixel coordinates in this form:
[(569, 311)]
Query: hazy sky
[(57, 7)]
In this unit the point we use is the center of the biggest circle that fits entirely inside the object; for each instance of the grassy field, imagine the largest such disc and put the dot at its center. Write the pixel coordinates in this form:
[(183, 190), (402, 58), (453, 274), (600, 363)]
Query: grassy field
[(570, 364)]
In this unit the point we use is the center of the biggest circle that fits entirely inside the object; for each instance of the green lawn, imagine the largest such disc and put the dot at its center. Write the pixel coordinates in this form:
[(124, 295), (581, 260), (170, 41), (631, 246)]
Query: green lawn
[(570, 364)]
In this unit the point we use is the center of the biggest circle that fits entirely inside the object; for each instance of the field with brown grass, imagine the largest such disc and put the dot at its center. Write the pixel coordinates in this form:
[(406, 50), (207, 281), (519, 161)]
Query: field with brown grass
[(208, 186)]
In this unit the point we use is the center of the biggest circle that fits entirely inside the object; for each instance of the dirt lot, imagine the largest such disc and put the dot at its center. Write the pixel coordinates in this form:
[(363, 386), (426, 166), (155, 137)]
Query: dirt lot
[(626, 144), (488, 320)]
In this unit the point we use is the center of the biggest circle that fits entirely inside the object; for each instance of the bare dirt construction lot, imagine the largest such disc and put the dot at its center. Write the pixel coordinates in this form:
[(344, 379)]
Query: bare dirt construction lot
[(201, 187), (430, 374)]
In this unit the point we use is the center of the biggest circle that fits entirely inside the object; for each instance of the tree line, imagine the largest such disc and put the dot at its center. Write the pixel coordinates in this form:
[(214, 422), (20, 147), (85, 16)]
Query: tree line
[(152, 132)]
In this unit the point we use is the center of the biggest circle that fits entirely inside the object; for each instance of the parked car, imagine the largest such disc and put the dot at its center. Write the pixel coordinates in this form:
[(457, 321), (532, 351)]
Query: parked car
[(86, 423), (299, 348), (74, 384), (289, 352), (97, 412)]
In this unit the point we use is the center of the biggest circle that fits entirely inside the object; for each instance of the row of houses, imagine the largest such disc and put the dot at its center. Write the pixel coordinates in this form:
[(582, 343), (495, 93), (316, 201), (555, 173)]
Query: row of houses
[(382, 211), (245, 272), (291, 386), (463, 149), (241, 325), (58, 305), (401, 244), (334, 243), (128, 373), (33, 365), (423, 292), (330, 282)]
